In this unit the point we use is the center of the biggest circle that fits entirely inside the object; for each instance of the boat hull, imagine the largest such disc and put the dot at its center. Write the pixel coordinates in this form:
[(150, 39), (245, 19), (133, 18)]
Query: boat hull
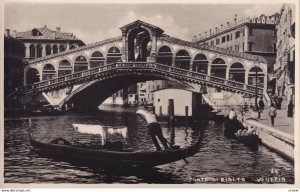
[(105, 158)]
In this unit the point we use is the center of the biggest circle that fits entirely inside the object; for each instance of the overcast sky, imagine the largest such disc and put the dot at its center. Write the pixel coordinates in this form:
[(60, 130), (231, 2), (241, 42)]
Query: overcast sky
[(96, 22)]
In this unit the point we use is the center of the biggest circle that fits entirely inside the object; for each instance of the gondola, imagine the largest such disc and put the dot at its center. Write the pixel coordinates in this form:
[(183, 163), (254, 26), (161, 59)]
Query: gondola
[(105, 157)]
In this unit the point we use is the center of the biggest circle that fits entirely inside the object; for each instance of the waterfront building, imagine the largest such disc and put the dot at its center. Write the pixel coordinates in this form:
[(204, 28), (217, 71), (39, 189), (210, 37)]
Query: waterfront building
[(256, 36), (13, 63), (284, 67), (40, 42)]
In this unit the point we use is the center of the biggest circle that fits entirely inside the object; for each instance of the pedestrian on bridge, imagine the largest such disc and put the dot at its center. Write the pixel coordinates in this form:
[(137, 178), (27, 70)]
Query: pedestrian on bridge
[(272, 114)]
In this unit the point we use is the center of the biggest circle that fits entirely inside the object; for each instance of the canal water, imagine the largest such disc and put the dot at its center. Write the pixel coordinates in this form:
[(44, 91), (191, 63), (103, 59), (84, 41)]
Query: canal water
[(220, 160)]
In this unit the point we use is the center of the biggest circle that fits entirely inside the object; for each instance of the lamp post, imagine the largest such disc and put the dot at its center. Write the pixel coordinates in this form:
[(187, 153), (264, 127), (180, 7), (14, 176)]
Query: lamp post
[(256, 69)]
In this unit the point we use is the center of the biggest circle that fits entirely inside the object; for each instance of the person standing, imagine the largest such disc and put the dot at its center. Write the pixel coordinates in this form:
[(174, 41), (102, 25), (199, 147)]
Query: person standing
[(290, 111), (261, 105), (154, 129), (272, 114)]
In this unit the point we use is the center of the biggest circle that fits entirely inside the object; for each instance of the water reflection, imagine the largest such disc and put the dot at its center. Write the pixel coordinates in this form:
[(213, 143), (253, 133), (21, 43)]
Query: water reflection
[(218, 157)]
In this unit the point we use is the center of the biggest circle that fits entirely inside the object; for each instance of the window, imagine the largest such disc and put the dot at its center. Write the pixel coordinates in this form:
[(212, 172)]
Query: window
[(231, 36), (217, 41), (243, 47), (228, 38), (223, 39), (158, 100), (250, 31), (250, 46), (236, 47), (212, 43), (237, 34), (158, 87)]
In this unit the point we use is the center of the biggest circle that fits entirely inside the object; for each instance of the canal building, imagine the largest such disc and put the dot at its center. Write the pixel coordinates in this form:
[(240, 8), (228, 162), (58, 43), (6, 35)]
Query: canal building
[(255, 36), (185, 101), (284, 68), (40, 42), (13, 63)]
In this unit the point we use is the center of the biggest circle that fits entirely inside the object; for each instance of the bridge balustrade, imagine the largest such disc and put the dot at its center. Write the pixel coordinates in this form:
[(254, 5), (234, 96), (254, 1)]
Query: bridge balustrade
[(150, 65)]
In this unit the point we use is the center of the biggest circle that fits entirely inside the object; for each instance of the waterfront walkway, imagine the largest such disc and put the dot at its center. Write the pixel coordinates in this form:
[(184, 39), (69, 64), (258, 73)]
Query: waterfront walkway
[(282, 121)]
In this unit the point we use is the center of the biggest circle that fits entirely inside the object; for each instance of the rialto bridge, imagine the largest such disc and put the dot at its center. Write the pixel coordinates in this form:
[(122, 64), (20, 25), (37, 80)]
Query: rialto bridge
[(87, 75)]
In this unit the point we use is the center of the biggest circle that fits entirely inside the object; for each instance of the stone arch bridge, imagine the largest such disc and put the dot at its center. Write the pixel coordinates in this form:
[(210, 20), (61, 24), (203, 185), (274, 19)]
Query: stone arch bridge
[(87, 75)]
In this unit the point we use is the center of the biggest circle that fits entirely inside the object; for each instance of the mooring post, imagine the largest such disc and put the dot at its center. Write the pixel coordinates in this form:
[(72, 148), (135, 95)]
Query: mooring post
[(186, 116), (171, 121)]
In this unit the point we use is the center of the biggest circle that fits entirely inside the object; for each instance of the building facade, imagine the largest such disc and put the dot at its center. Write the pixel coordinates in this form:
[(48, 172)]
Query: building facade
[(13, 64), (40, 42), (284, 68), (255, 36)]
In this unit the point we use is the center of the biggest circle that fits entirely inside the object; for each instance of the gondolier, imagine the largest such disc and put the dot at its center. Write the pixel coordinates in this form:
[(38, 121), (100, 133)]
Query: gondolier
[(154, 129)]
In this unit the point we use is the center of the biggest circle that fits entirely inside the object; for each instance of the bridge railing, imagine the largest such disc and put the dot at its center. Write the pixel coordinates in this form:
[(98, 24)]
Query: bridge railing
[(146, 65)]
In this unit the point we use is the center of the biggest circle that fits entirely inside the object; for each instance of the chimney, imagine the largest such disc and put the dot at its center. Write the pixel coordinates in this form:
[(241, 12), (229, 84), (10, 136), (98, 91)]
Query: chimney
[(45, 26), (57, 29), (7, 32), (221, 27), (14, 35), (235, 18), (227, 24)]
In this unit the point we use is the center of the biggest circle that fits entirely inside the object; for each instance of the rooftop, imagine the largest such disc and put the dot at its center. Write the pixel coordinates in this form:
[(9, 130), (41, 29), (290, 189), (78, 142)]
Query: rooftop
[(45, 33)]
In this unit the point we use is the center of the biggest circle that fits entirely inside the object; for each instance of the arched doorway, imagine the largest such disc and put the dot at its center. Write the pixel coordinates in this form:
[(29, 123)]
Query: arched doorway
[(218, 68), (200, 64), (64, 68), (256, 72), (48, 72), (96, 60), (32, 76), (237, 72), (138, 44), (113, 55), (80, 64), (182, 59), (165, 55)]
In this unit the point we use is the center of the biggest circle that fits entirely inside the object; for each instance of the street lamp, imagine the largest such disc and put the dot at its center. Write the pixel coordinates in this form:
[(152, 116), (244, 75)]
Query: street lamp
[(256, 70)]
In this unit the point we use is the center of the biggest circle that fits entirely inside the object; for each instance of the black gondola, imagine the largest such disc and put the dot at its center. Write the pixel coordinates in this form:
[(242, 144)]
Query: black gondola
[(105, 157)]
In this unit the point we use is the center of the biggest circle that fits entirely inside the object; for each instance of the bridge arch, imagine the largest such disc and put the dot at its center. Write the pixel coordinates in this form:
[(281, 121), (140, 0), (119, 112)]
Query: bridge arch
[(138, 39), (80, 63), (113, 54), (218, 68), (237, 72), (64, 68), (253, 72), (182, 59), (200, 63), (97, 59), (39, 50), (165, 55), (48, 72), (32, 76), (48, 49), (55, 49)]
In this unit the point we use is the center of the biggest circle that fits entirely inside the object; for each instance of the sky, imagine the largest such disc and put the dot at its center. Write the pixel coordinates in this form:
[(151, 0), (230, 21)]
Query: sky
[(92, 22)]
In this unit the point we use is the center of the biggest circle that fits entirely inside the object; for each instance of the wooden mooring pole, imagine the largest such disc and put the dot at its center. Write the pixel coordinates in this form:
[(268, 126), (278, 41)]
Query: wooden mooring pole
[(171, 120), (186, 116)]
